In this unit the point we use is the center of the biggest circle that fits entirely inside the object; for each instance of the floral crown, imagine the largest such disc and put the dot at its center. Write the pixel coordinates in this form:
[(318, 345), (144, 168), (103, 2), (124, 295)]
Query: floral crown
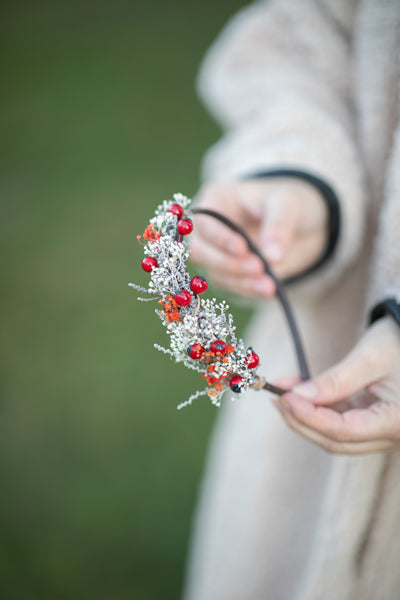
[(201, 330)]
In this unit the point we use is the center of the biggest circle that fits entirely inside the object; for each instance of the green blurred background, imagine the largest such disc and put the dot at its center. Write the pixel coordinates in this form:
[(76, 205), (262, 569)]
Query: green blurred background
[(99, 122)]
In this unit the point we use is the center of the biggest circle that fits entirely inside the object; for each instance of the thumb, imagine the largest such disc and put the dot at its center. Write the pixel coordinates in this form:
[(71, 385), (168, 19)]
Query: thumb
[(355, 372), (278, 225)]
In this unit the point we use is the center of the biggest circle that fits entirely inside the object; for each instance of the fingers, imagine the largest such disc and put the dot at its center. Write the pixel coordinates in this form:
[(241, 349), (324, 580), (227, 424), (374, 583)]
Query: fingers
[(286, 383), (223, 252), (379, 421), (372, 359), (210, 232), (215, 259), (283, 216), (241, 275), (239, 201), (292, 209), (301, 254), (357, 370), (257, 287), (362, 393), (330, 445), (278, 225)]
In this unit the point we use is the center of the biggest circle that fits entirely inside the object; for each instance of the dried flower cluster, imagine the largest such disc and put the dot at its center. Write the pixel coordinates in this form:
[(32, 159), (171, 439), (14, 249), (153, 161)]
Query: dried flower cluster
[(201, 331)]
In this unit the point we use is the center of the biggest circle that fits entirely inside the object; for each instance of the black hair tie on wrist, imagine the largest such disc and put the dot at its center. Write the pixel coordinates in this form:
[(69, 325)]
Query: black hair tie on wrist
[(332, 203), (389, 306)]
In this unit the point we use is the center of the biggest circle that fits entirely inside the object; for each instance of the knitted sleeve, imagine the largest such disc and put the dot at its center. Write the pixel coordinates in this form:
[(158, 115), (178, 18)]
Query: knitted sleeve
[(278, 79)]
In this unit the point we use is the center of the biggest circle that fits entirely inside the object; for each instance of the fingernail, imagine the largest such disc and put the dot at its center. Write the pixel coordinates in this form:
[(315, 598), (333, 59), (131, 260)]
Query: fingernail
[(307, 390), (261, 287), (273, 251)]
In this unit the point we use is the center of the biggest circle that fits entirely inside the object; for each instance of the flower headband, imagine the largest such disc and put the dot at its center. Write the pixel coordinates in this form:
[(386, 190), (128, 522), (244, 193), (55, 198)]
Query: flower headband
[(201, 330)]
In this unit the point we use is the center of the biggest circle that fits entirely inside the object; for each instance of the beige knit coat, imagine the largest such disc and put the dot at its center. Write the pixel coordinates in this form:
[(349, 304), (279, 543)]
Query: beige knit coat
[(313, 85)]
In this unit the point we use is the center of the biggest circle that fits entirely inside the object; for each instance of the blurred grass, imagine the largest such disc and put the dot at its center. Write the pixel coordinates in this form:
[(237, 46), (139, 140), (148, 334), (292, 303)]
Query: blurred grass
[(99, 122)]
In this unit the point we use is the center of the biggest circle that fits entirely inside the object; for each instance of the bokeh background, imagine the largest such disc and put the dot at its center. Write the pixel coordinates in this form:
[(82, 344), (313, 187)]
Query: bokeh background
[(99, 122)]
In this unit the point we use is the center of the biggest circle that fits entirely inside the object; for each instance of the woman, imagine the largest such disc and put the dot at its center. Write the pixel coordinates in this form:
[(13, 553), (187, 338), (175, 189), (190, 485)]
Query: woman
[(310, 166)]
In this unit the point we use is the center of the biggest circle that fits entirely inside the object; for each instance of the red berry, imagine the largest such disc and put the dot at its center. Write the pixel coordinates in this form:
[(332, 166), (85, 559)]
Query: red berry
[(236, 384), (252, 360), (148, 263), (184, 298), (195, 351), (219, 346), (198, 285), (176, 209), (185, 226)]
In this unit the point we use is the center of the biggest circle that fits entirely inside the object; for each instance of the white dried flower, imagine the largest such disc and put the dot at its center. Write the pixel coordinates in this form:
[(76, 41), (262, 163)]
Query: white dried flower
[(201, 331)]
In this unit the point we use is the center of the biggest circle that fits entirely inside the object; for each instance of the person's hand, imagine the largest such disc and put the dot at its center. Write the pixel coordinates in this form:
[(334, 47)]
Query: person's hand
[(354, 407), (285, 217)]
